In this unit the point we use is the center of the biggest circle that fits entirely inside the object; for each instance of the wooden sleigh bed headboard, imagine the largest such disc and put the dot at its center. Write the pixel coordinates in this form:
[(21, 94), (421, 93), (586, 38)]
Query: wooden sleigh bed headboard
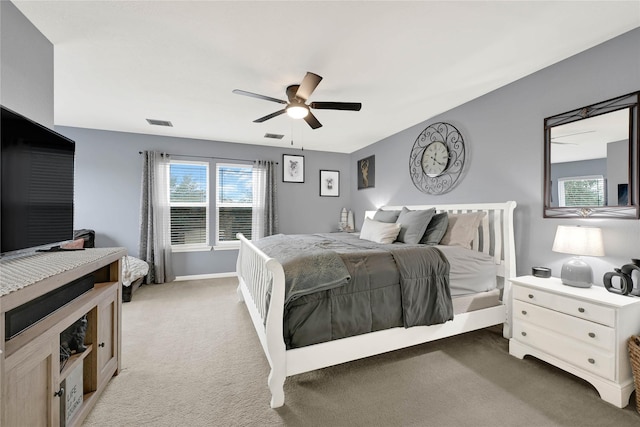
[(262, 279)]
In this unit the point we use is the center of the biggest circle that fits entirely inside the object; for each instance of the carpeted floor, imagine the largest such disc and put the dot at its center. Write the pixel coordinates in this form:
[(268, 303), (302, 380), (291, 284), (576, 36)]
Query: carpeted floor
[(191, 358)]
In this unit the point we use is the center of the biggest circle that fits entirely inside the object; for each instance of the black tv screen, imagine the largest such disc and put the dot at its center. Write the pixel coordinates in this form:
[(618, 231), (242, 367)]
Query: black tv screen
[(36, 190)]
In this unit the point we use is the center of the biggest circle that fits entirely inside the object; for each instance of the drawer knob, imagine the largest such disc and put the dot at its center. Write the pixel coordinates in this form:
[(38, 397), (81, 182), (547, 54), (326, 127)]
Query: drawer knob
[(581, 310), (592, 361), (524, 312), (592, 335), (101, 345), (530, 296), (524, 334), (59, 392)]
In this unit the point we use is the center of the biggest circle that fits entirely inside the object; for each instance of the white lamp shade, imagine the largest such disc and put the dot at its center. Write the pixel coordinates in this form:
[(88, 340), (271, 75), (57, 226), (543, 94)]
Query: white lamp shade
[(578, 240)]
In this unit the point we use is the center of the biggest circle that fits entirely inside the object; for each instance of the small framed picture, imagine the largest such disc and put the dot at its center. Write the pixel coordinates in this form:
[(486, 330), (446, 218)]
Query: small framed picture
[(292, 168), (367, 172), (329, 183)]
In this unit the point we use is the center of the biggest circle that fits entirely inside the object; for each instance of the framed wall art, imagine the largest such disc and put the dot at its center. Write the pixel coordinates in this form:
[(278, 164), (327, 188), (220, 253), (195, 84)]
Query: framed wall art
[(367, 172), (329, 183), (292, 168)]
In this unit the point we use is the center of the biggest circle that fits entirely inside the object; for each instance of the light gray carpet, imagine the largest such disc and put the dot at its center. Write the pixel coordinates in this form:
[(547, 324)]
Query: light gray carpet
[(191, 358)]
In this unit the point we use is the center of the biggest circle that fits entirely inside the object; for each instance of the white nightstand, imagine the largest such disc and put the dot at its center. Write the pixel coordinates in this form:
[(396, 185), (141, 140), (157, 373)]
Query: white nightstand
[(583, 331)]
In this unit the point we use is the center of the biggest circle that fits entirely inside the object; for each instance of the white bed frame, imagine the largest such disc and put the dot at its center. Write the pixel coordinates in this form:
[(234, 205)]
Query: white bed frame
[(257, 273)]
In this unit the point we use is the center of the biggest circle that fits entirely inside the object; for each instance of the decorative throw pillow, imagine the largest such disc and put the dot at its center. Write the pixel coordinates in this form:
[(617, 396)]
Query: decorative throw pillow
[(386, 216), (436, 229), (379, 232), (462, 229), (74, 244), (414, 224)]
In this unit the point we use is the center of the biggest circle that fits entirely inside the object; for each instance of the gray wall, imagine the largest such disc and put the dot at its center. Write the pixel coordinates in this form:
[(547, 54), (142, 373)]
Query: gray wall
[(108, 174), (26, 67), (503, 132)]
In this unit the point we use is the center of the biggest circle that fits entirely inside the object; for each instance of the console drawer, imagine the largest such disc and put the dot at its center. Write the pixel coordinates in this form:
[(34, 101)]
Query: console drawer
[(577, 353), (574, 307), (583, 330)]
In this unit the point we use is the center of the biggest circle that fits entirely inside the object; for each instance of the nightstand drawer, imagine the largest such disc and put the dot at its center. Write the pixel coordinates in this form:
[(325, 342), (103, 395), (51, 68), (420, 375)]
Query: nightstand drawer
[(574, 307), (584, 356), (588, 332)]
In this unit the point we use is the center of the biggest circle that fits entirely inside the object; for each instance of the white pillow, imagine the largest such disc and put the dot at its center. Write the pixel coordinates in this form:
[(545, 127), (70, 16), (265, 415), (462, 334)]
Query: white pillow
[(379, 232)]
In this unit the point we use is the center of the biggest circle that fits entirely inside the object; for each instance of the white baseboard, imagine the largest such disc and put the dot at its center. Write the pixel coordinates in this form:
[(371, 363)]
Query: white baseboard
[(205, 276)]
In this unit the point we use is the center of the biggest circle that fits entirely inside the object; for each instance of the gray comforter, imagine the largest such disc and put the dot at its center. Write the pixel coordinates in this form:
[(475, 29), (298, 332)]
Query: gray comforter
[(355, 286)]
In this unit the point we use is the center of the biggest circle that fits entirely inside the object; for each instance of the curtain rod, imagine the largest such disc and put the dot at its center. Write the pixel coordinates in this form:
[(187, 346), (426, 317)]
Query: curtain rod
[(209, 157)]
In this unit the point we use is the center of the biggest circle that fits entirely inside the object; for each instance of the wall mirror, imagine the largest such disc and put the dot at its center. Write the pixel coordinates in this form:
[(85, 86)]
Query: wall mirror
[(591, 161)]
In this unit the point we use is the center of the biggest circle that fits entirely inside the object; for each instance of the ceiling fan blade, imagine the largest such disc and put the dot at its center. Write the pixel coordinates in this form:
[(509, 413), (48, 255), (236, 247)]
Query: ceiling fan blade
[(269, 116), (308, 85), (255, 95), (350, 106), (312, 121)]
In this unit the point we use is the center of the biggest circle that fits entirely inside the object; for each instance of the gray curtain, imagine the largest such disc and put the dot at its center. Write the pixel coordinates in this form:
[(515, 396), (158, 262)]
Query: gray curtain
[(155, 218), (265, 200)]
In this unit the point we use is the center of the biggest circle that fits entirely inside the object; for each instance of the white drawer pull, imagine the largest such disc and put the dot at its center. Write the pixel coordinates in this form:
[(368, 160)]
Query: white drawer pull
[(592, 335), (581, 310), (591, 361)]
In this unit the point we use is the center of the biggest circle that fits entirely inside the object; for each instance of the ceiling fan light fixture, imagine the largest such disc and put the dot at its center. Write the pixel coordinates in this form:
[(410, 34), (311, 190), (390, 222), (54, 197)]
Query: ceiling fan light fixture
[(297, 111)]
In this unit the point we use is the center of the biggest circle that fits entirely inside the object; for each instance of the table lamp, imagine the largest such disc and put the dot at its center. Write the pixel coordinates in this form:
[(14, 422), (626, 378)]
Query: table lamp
[(578, 241)]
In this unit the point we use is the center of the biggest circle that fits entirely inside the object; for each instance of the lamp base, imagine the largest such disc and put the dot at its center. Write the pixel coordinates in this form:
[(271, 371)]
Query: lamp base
[(577, 273)]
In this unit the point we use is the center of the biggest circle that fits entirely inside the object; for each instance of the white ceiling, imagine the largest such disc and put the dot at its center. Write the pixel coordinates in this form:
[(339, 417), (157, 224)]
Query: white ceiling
[(118, 63)]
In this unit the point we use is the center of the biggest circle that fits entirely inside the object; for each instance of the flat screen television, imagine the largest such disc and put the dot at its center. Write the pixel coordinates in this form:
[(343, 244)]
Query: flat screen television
[(36, 185)]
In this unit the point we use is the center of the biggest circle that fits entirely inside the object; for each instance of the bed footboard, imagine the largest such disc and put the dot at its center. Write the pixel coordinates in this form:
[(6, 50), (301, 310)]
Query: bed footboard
[(261, 287)]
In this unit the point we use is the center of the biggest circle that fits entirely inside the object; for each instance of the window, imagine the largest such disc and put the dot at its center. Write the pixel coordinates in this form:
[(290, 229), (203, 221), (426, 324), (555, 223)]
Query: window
[(189, 203), (234, 192), (581, 191)]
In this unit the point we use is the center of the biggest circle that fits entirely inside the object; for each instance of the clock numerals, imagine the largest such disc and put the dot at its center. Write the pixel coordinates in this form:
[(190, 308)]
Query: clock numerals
[(435, 159)]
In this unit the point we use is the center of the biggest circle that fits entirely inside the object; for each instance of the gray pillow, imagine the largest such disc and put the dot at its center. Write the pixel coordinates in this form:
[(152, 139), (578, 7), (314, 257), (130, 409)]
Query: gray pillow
[(462, 229), (386, 216), (436, 229), (414, 224)]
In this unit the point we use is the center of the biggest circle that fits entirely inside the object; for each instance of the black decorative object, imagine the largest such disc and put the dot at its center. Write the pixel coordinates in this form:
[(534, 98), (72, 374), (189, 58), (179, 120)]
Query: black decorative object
[(543, 272), (72, 340), (437, 159), (625, 278), (623, 194)]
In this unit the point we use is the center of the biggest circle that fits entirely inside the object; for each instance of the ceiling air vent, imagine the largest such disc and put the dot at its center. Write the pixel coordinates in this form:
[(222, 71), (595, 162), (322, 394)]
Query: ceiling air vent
[(273, 135), (159, 122)]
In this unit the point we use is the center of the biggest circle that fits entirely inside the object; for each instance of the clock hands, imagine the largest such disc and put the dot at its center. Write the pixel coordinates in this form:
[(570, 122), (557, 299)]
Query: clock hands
[(435, 160)]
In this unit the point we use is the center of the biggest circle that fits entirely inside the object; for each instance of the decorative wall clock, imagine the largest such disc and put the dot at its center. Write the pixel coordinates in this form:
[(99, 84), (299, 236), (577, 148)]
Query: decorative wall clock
[(437, 159)]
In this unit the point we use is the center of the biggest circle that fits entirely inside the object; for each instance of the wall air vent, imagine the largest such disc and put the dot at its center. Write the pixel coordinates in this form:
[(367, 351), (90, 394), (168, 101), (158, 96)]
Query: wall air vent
[(273, 135), (159, 122)]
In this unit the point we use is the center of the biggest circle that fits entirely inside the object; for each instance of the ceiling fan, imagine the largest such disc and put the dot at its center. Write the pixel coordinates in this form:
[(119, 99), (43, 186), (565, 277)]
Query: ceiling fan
[(297, 107)]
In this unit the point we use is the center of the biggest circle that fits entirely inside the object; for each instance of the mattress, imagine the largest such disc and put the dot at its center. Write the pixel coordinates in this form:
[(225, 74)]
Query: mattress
[(470, 271), (477, 301)]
